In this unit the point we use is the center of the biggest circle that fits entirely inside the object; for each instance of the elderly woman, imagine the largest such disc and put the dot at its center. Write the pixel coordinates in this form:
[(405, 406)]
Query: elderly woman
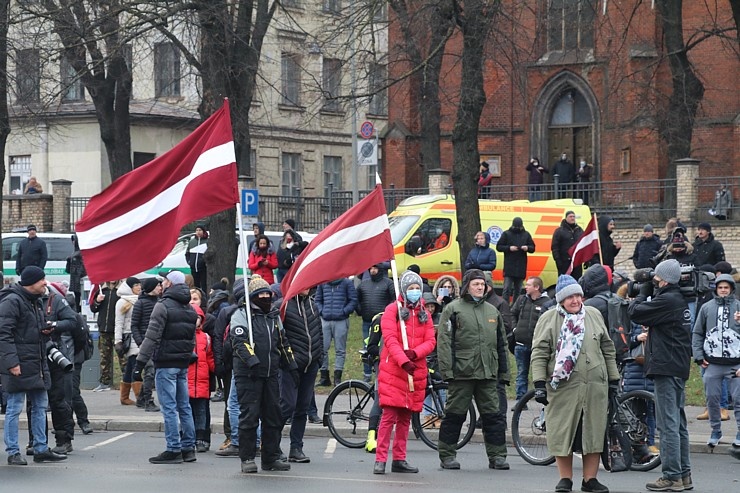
[(574, 368)]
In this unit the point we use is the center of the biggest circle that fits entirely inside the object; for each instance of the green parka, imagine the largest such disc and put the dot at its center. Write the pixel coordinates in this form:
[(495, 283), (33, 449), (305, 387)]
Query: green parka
[(585, 392), (471, 341)]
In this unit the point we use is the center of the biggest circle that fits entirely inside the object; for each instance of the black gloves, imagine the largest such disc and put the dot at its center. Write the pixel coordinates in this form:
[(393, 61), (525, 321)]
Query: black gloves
[(296, 376), (404, 313), (410, 354), (540, 392), (409, 367), (138, 377), (193, 357), (613, 389), (646, 289), (118, 348)]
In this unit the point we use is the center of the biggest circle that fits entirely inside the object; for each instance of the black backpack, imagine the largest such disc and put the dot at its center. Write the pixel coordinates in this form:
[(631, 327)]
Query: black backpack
[(83, 339), (619, 324)]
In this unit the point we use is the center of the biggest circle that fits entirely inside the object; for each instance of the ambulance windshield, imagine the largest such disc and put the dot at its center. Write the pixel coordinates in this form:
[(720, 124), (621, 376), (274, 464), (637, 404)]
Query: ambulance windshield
[(400, 226)]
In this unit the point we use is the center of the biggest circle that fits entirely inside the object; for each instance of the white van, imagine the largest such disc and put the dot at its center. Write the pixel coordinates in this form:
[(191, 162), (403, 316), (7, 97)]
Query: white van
[(58, 245)]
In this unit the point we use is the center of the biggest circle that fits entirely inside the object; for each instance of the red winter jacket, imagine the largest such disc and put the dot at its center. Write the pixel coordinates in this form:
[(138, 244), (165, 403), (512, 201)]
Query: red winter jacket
[(263, 270), (393, 382), (199, 372)]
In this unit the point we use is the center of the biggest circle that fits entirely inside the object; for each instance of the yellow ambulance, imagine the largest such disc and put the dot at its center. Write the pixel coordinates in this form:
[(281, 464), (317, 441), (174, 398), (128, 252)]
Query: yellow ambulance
[(424, 229)]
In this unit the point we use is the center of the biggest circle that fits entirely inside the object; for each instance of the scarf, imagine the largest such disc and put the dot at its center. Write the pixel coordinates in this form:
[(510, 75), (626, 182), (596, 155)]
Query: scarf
[(568, 346)]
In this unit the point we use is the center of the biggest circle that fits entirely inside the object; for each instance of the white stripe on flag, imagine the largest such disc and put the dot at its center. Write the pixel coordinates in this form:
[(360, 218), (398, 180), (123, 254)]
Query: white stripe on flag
[(586, 241), (168, 200), (347, 236)]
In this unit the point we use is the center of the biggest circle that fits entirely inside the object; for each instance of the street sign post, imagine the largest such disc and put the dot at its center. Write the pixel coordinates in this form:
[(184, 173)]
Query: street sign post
[(366, 129), (250, 202)]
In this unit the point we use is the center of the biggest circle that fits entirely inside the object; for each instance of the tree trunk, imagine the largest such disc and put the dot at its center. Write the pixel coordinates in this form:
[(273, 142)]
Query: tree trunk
[(4, 119), (475, 24)]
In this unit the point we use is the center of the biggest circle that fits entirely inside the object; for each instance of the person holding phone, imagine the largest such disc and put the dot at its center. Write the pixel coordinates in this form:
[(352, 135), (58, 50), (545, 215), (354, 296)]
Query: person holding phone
[(445, 290)]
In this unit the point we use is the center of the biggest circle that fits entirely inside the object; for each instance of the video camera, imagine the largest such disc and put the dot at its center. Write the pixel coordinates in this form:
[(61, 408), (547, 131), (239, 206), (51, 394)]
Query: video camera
[(693, 282)]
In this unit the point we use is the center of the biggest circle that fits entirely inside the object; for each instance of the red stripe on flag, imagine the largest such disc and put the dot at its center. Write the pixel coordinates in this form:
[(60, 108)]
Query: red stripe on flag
[(339, 250), (586, 247)]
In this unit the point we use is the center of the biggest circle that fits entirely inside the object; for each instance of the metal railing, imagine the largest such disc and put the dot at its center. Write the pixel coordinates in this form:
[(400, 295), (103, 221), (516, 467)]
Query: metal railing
[(76, 206), (715, 198)]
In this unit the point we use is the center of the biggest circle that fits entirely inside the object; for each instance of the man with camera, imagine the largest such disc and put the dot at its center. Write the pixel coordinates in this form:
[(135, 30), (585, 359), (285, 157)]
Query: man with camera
[(667, 362), (23, 368)]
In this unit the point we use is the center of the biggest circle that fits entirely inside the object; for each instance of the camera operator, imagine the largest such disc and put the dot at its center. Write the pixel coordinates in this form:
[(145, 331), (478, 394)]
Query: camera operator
[(667, 362), (23, 367)]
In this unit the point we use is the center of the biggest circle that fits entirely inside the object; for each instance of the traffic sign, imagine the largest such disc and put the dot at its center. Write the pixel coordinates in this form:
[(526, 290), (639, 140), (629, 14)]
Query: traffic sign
[(250, 202), (366, 129)]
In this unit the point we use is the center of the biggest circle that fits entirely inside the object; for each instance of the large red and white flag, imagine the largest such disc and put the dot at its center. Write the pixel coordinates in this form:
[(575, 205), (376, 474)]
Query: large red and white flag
[(586, 247), (133, 224), (355, 241)]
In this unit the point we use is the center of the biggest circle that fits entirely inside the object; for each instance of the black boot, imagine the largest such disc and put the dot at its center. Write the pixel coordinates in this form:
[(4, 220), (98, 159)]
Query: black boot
[(337, 377), (324, 381)]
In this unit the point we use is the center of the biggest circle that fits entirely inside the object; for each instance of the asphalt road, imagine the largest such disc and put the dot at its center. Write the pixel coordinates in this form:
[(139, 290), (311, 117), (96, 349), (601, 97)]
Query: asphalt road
[(117, 462)]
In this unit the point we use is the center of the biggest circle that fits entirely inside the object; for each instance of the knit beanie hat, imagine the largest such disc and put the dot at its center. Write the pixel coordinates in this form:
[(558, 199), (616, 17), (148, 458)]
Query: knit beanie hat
[(669, 271), (566, 286), (239, 289), (258, 285), (132, 281), (176, 277), (149, 284), (407, 279), (648, 228), (470, 275), (723, 266), (31, 275), (705, 226)]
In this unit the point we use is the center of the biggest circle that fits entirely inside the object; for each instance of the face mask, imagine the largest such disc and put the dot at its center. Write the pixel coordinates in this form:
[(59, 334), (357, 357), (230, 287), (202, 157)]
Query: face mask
[(656, 284), (413, 295), (289, 245), (264, 304)]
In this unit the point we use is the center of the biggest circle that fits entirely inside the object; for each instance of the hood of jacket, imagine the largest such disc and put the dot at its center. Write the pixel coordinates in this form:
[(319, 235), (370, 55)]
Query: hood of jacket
[(178, 292), (604, 225), (594, 281), (441, 280), (726, 278)]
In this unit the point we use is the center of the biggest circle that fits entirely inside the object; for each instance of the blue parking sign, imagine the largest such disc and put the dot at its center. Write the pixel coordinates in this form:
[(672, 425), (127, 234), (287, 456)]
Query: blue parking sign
[(250, 202)]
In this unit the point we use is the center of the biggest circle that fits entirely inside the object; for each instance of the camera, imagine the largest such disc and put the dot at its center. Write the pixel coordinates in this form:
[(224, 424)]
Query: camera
[(56, 357), (642, 276), (693, 282)]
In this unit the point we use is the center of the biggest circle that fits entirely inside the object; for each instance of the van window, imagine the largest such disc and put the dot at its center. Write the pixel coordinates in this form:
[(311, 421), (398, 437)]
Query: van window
[(59, 248), (400, 226), (433, 234), (10, 248)]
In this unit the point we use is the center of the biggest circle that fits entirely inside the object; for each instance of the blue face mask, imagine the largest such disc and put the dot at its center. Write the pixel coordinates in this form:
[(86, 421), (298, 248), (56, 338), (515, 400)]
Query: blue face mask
[(413, 295)]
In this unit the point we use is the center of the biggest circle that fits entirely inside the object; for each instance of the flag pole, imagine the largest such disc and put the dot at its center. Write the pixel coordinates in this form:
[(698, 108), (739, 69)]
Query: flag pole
[(404, 336), (244, 272), (598, 237)]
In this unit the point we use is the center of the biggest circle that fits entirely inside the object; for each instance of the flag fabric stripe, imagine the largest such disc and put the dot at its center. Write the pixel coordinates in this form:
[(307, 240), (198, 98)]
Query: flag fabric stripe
[(160, 205), (356, 240), (132, 225), (586, 247)]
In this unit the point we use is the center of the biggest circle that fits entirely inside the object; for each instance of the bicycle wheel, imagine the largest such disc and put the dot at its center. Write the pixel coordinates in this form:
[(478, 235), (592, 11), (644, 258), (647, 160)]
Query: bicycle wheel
[(636, 414), (529, 432), (347, 412), (426, 425)]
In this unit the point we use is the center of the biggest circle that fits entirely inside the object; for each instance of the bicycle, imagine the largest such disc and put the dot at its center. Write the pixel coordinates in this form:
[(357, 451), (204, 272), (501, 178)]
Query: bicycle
[(529, 428), (347, 414)]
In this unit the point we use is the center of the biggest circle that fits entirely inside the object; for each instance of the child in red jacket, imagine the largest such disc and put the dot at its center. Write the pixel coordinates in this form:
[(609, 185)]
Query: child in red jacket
[(199, 384)]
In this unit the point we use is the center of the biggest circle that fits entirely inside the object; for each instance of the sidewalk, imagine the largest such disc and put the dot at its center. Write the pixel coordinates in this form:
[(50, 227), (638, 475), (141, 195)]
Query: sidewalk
[(106, 413)]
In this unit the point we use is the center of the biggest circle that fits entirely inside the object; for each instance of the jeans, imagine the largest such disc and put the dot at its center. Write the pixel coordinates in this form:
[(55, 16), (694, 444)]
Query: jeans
[(724, 399), (337, 330), (39, 401), (232, 406), (512, 288), (295, 401), (535, 192), (670, 397), (174, 402), (715, 377), (128, 372), (522, 355)]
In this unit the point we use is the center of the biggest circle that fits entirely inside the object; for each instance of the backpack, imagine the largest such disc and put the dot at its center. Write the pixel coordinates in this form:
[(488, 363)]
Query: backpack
[(83, 339), (619, 324)]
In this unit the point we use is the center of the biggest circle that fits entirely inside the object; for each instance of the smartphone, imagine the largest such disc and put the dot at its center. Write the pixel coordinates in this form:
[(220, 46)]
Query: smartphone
[(443, 291)]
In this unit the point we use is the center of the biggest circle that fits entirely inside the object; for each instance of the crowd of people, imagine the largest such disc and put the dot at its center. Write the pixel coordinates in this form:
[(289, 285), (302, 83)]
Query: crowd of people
[(168, 332)]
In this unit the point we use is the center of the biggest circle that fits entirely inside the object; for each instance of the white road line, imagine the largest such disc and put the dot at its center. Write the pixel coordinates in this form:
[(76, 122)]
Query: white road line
[(107, 442), (331, 447), (353, 480)]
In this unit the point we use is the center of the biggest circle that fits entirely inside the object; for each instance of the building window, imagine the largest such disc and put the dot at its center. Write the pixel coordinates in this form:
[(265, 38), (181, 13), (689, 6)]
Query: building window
[(141, 158), (378, 83), (570, 25), (27, 72), (371, 178), (332, 174), (291, 79), (252, 168), (380, 10), (291, 178), (166, 70), (72, 87), (332, 6), (330, 83), (571, 109), (20, 172)]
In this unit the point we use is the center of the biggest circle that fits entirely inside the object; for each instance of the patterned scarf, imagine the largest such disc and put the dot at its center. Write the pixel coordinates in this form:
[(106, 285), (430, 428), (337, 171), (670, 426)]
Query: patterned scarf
[(569, 345)]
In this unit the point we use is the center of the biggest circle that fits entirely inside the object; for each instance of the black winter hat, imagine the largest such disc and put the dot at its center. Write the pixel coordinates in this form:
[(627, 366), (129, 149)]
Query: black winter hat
[(31, 275), (705, 226), (132, 281), (149, 284)]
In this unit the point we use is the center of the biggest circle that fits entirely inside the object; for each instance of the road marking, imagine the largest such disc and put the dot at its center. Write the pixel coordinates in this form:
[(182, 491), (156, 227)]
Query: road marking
[(331, 447), (107, 442), (353, 480)]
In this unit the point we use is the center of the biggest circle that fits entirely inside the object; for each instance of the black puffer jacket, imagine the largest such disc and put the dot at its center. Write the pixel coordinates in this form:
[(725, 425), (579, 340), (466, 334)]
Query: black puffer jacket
[(645, 250), (57, 309), (708, 252), (595, 284), (668, 348), (170, 337), (303, 329), (140, 316), (106, 310), (564, 238), (526, 312), (270, 351), (515, 263), (21, 341), (373, 295), (219, 340)]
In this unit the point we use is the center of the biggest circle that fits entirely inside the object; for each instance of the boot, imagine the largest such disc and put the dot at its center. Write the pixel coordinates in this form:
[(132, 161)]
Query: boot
[(136, 387), (125, 392), (324, 381), (371, 444), (703, 416), (337, 377)]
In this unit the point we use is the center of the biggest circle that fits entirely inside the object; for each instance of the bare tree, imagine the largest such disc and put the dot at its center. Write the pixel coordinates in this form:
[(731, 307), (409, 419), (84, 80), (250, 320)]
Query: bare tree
[(4, 120)]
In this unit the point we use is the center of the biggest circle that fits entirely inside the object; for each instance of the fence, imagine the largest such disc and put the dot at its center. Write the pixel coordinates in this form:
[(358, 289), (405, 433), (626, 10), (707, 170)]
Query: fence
[(76, 206), (715, 198)]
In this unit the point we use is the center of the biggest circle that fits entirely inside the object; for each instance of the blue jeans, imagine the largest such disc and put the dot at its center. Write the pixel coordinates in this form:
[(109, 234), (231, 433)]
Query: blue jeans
[(724, 398), (716, 378), (535, 193), (174, 401), (337, 330), (39, 401), (522, 355), (232, 406), (295, 401), (512, 288), (670, 397)]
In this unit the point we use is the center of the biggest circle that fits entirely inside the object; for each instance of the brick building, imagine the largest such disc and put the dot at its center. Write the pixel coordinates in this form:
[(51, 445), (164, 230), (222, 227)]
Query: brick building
[(569, 76)]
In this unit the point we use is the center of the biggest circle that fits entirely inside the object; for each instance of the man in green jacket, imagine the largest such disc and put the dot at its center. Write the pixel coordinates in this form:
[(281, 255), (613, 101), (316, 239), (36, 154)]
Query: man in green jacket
[(471, 349)]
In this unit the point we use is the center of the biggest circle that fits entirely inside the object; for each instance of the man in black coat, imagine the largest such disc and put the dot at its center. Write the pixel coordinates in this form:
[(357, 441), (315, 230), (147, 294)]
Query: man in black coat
[(647, 248), (706, 248), (565, 237), (516, 243), (373, 295), (667, 362), (566, 174), (609, 248), (141, 313), (31, 251), (303, 331), (24, 372)]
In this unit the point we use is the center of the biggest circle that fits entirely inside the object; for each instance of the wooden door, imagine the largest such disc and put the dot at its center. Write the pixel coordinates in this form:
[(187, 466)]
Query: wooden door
[(583, 145), (561, 141)]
